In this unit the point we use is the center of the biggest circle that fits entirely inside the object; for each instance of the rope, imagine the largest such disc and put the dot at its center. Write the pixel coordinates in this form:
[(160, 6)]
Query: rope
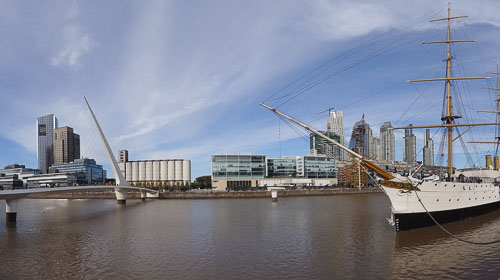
[(440, 226), (451, 234)]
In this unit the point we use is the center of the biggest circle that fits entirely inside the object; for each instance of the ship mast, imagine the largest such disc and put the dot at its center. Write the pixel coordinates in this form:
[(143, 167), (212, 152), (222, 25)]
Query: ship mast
[(449, 117)]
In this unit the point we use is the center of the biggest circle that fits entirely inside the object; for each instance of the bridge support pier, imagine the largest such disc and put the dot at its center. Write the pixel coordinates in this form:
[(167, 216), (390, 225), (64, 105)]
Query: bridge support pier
[(143, 195), (11, 210), (121, 196)]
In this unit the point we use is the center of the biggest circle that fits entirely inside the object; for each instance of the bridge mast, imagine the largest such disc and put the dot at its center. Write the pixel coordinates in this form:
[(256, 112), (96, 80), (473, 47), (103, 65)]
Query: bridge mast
[(121, 195)]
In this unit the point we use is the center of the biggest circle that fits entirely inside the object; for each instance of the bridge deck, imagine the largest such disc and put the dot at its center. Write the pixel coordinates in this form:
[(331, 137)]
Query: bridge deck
[(20, 193)]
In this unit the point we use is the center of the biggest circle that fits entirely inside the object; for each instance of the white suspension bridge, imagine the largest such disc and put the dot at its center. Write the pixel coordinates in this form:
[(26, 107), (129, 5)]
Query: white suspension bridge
[(121, 189)]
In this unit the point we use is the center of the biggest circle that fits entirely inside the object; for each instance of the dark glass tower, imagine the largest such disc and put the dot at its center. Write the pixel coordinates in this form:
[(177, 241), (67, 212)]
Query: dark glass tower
[(45, 126)]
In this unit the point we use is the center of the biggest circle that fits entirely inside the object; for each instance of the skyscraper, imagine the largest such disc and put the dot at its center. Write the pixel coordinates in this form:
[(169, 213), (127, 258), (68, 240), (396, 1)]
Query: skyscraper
[(319, 146), (386, 142), (361, 138), (375, 152), (409, 146), (428, 149), (45, 140), (66, 145), (335, 125)]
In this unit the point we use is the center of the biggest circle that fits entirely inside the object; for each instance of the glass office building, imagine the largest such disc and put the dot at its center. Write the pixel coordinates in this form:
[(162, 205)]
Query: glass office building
[(282, 167), (45, 126), (238, 167), (86, 171), (302, 167), (319, 167)]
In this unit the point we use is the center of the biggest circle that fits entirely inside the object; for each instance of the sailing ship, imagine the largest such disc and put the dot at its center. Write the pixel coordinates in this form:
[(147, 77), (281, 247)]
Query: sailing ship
[(436, 199)]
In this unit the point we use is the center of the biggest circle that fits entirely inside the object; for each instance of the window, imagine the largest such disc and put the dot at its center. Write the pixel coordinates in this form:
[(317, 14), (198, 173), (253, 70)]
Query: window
[(42, 130)]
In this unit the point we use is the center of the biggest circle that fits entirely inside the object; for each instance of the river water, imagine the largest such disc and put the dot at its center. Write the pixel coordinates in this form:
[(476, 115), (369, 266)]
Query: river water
[(328, 237)]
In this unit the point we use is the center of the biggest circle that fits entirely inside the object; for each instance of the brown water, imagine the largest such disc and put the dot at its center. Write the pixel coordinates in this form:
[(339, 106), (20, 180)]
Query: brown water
[(330, 237)]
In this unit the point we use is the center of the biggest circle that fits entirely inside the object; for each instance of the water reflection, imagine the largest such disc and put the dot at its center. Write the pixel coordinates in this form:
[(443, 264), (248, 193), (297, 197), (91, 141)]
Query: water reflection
[(303, 237)]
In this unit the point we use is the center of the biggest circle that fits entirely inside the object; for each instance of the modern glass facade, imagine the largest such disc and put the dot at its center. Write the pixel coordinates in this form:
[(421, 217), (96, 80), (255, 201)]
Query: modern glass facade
[(320, 146), (282, 167), (302, 167), (319, 167), (238, 167), (45, 126), (86, 171)]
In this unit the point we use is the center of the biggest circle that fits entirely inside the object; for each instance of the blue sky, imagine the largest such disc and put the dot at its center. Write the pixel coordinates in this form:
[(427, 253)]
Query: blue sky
[(183, 79)]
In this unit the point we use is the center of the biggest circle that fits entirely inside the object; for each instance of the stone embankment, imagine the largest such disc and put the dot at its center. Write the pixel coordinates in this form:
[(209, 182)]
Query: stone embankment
[(213, 194)]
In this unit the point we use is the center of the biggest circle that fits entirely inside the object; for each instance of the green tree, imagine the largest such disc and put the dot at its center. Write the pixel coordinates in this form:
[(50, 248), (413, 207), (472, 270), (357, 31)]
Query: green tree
[(203, 182)]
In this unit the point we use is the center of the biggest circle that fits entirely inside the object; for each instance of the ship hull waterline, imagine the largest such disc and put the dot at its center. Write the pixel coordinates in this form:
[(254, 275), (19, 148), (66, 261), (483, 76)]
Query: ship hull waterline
[(408, 221)]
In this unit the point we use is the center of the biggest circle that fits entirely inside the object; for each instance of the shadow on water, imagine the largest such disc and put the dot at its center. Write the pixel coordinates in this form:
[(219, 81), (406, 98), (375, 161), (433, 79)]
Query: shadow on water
[(428, 252), (471, 227), (68, 211)]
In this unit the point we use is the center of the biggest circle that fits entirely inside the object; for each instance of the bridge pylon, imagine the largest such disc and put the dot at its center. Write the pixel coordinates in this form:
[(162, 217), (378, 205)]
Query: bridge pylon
[(121, 194)]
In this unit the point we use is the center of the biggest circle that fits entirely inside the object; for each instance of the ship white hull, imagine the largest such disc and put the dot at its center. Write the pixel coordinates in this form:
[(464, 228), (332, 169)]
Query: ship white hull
[(446, 201)]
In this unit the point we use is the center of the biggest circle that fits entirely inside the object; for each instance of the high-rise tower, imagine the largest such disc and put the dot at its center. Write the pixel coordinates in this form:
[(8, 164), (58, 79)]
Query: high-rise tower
[(409, 146), (45, 140), (386, 142), (319, 146), (66, 145), (335, 125), (361, 139), (428, 149)]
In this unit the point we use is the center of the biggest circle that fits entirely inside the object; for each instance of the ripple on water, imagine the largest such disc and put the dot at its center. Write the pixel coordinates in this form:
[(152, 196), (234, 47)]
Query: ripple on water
[(305, 237)]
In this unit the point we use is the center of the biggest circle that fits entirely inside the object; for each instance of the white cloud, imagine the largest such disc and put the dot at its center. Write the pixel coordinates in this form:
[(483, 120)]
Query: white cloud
[(169, 72), (75, 45), (73, 11), (342, 20)]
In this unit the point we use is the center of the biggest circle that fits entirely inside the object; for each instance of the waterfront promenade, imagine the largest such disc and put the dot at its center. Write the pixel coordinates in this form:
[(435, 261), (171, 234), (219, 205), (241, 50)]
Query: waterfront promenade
[(200, 194)]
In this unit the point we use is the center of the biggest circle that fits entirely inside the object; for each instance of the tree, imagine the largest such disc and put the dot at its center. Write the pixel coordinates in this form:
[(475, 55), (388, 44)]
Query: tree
[(203, 182)]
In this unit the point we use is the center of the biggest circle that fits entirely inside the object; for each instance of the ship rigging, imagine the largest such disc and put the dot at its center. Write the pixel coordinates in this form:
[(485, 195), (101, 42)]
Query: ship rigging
[(424, 202)]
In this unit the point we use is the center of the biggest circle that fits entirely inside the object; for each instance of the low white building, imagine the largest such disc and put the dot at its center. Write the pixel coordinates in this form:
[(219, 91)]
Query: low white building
[(51, 180), (168, 172)]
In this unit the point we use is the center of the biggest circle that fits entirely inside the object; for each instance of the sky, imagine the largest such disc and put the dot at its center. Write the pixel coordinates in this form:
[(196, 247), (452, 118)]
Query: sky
[(184, 79)]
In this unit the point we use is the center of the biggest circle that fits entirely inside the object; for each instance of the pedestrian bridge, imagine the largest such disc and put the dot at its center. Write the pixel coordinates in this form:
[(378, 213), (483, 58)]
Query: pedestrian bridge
[(121, 189), (23, 193), (11, 197)]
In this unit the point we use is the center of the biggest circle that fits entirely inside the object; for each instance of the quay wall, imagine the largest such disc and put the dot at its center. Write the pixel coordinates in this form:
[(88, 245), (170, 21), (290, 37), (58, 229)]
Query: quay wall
[(211, 194)]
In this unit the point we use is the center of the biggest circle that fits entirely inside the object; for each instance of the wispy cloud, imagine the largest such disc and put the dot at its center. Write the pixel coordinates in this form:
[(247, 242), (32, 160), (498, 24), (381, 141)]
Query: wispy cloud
[(75, 42), (174, 79), (75, 45)]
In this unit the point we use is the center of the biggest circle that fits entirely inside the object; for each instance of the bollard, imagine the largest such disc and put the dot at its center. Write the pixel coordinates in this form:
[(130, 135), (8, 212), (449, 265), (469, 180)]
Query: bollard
[(274, 196)]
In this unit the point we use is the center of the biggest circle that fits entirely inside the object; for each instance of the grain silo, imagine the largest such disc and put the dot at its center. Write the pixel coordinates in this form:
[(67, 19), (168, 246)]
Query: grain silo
[(149, 170), (178, 170), (163, 170), (186, 171), (135, 171), (128, 171), (156, 170), (171, 170), (142, 171)]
